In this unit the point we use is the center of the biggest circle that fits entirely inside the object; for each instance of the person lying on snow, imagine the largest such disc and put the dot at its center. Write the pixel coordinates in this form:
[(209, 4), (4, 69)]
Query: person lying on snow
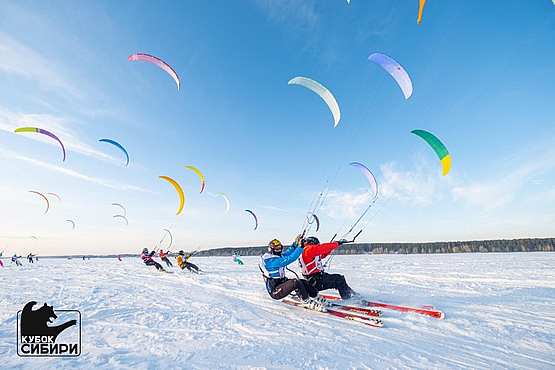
[(312, 267), (273, 263), (164, 257), (149, 261), (184, 263)]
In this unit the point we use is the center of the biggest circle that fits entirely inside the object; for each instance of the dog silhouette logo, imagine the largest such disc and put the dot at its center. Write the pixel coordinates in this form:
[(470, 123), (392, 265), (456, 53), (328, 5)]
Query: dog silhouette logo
[(38, 337)]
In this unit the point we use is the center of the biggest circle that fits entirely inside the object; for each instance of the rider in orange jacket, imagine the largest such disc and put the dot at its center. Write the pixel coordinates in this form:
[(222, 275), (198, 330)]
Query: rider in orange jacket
[(164, 257)]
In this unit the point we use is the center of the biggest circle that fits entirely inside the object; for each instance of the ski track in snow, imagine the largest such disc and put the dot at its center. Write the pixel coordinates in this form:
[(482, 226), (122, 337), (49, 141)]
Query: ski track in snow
[(500, 314)]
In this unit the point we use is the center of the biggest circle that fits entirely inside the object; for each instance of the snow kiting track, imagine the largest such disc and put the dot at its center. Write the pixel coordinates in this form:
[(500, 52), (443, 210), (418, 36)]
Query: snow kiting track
[(500, 311)]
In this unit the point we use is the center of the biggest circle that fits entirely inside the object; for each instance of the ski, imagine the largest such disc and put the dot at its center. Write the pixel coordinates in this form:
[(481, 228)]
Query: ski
[(406, 309), (337, 312), (356, 309)]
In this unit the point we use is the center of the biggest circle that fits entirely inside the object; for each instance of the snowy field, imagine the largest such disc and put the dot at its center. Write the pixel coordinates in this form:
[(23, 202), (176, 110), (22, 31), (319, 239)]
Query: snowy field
[(500, 314)]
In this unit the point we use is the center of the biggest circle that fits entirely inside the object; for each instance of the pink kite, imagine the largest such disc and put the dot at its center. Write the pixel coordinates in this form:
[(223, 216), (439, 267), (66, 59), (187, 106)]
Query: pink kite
[(158, 62)]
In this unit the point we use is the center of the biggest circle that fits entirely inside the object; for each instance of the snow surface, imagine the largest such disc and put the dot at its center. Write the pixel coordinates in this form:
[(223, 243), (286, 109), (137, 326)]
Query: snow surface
[(500, 314)]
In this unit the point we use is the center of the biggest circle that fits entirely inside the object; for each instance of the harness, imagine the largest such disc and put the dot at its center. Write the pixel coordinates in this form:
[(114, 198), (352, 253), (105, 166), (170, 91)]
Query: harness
[(270, 281), (270, 274), (308, 269)]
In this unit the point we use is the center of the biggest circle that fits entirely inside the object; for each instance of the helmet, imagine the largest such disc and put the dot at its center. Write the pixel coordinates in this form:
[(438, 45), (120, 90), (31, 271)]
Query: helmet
[(311, 240), (275, 246), (145, 250), (181, 253)]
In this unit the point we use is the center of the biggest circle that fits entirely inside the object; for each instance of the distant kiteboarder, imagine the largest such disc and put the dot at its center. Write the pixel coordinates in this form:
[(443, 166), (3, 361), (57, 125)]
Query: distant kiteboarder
[(164, 257), (15, 259), (183, 262), (236, 259), (30, 258)]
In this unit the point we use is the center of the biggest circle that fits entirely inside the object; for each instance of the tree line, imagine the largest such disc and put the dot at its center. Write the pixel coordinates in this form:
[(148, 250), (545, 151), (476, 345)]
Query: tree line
[(474, 246)]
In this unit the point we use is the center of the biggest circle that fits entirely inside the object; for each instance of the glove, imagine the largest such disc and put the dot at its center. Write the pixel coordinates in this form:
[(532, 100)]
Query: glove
[(342, 241), (299, 241)]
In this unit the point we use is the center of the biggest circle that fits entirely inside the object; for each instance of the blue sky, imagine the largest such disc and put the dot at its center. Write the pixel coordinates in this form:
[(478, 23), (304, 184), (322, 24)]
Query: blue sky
[(483, 76)]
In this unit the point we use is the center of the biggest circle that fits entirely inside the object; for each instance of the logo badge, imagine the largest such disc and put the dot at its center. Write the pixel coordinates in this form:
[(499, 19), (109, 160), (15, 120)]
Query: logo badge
[(46, 332)]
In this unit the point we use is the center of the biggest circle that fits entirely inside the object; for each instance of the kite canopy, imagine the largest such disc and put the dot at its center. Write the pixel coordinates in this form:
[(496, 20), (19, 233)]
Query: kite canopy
[(121, 207), (178, 190), (168, 233), (157, 62), (72, 224), (396, 71), (55, 195), (438, 147), (369, 176), (123, 218), (200, 176), (313, 218), (373, 187), (227, 202), (43, 132), (119, 146), (44, 198), (323, 92), (421, 9), (255, 218)]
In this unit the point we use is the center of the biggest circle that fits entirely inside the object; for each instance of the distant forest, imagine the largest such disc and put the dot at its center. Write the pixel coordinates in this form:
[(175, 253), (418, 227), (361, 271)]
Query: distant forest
[(475, 246)]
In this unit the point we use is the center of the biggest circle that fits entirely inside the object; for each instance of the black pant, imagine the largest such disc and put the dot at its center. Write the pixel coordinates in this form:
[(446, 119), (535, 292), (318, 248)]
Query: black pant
[(154, 263), (165, 259), (323, 281), (281, 288), (190, 266)]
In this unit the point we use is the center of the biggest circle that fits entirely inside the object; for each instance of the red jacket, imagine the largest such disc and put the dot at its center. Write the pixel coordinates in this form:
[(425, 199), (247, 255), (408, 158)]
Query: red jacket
[(311, 259), (162, 254)]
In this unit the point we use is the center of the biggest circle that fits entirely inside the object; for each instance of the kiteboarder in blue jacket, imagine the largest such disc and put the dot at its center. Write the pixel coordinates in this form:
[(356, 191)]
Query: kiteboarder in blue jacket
[(273, 263)]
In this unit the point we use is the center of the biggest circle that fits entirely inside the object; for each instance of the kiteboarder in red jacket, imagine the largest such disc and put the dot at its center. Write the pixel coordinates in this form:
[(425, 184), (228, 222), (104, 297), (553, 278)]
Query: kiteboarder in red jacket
[(313, 269), (164, 257)]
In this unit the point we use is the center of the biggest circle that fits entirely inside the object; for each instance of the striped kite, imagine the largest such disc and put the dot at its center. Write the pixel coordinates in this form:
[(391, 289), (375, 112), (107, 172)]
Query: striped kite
[(200, 176), (43, 132), (438, 147)]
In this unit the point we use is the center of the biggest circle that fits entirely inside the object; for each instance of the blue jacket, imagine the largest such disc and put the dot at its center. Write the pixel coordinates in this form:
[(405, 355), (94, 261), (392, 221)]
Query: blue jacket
[(274, 266)]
